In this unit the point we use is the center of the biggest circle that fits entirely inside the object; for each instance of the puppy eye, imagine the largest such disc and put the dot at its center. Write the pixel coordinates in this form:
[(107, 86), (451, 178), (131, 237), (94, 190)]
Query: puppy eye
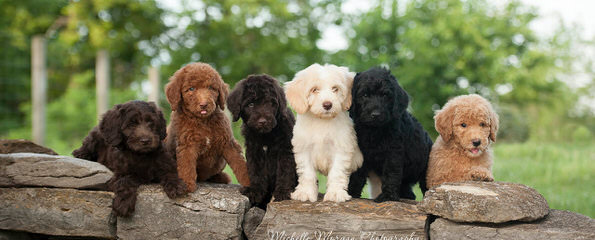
[(211, 88), (335, 89), (191, 89), (482, 124), (251, 105), (366, 95), (463, 125), (315, 90)]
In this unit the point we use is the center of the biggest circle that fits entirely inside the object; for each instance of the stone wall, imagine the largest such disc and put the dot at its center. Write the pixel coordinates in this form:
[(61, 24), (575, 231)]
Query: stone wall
[(49, 195)]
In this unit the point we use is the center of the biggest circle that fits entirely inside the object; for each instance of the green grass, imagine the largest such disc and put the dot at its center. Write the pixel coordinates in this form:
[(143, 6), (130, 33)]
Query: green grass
[(562, 172)]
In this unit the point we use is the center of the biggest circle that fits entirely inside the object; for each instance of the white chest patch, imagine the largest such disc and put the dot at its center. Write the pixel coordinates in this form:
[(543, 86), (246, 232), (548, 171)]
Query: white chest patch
[(265, 148), (208, 141)]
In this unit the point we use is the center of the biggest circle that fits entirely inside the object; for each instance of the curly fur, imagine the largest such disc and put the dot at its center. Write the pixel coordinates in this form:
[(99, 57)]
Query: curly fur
[(128, 141), (395, 146), (200, 135), (467, 125), (323, 136), (267, 128)]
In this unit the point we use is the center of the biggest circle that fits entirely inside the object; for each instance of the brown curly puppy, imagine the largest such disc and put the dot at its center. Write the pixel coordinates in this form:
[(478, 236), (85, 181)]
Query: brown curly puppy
[(200, 135), (268, 128), (467, 125), (128, 141)]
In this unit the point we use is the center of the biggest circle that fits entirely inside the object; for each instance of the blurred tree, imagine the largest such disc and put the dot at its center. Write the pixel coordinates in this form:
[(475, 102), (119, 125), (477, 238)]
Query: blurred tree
[(442, 48), (248, 37), (77, 29), (19, 20)]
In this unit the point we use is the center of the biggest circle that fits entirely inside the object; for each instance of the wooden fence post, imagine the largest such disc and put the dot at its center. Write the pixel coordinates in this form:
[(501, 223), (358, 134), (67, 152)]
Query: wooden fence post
[(38, 87), (102, 81), (154, 82)]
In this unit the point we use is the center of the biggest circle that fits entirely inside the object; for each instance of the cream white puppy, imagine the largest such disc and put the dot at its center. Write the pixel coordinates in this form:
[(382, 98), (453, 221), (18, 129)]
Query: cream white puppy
[(323, 136)]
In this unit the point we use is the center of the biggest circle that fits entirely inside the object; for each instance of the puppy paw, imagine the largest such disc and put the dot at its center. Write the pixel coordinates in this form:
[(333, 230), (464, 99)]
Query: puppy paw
[(175, 189), (481, 176), (336, 196), (254, 195), (303, 194), (282, 195), (383, 197), (124, 209)]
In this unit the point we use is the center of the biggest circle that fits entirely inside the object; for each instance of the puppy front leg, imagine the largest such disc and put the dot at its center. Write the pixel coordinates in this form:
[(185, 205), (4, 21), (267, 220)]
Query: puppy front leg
[(392, 176), (233, 155), (258, 185), (173, 186), (357, 181), (186, 165), (124, 188), (338, 179), (286, 177), (307, 189)]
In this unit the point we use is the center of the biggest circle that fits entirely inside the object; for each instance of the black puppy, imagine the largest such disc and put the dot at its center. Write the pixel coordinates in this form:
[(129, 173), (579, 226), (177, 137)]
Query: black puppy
[(267, 128), (395, 146), (128, 141)]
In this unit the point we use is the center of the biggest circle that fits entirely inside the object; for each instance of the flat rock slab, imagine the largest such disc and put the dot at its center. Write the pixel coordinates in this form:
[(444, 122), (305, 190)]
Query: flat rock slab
[(61, 212), (357, 219), (557, 225), (42, 170), (214, 211), (488, 202), (23, 146)]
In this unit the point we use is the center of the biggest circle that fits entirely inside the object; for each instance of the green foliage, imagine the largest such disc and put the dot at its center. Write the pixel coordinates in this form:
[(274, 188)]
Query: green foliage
[(442, 48), (581, 135), (514, 126)]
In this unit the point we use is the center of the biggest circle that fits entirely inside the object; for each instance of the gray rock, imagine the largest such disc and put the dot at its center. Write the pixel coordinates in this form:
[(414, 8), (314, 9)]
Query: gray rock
[(214, 211), (61, 212), (21, 146), (490, 202), (41, 170), (252, 219), (557, 225), (358, 218)]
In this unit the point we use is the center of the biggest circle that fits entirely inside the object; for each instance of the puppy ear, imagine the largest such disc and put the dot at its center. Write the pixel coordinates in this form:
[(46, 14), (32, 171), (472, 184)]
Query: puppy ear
[(296, 92), (234, 101), (223, 92), (160, 123), (494, 123), (401, 99), (353, 110), (282, 102), (173, 93), (110, 126), (443, 122), (349, 76)]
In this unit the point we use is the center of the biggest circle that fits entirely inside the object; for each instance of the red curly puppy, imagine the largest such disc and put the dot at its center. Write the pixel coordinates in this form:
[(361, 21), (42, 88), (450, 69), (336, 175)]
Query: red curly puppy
[(468, 126), (200, 135)]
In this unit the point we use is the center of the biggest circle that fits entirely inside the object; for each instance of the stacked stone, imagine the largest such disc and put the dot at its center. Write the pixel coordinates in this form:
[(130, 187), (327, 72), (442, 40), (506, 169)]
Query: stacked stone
[(64, 196), (498, 210)]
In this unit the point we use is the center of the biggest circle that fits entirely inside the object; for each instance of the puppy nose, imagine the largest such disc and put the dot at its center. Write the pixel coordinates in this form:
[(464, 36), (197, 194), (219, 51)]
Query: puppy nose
[(476, 142), (327, 105), (145, 141), (375, 114), (262, 121), (202, 104)]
